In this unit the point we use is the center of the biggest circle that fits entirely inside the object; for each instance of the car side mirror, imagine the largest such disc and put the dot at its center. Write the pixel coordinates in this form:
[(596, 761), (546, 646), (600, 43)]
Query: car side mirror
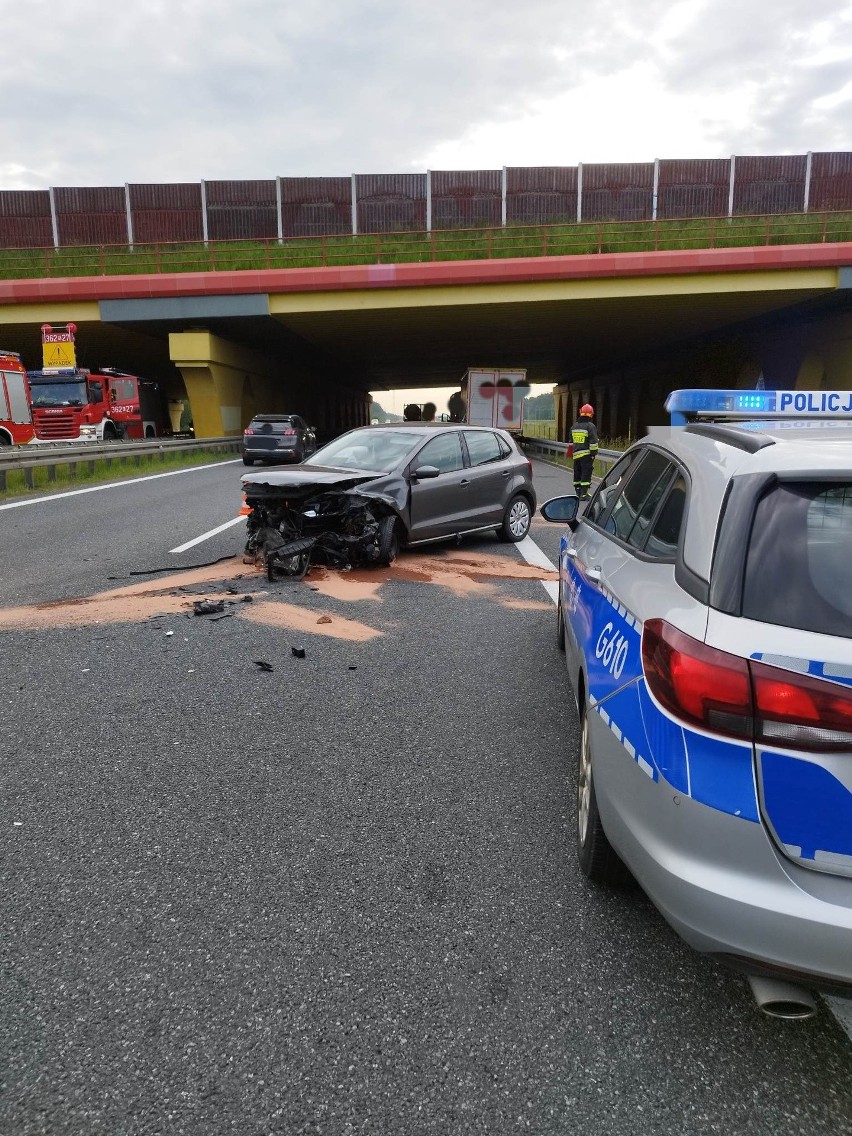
[(561, 509), (425, 471)]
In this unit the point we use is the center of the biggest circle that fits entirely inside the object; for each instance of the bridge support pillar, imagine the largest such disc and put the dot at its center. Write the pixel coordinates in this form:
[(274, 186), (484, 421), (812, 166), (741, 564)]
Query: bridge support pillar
[(225, 383)]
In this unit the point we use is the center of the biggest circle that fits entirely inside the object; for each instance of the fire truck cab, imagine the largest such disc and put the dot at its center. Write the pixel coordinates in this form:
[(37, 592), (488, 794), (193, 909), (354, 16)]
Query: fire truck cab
[(73, 403)]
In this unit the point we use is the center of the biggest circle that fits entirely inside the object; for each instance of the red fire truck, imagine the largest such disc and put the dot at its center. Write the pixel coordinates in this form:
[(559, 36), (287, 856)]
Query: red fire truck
[(16, 424), (70, 402)]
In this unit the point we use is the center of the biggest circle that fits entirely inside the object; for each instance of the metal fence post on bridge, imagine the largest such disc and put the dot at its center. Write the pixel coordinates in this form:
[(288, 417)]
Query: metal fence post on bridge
[(54, 221), (205, 233), (129, 216), (279, 210), (579, 192)]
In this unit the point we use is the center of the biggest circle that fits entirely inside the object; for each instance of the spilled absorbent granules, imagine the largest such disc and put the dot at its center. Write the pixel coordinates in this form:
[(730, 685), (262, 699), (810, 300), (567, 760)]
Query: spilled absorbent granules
[(462, 574)]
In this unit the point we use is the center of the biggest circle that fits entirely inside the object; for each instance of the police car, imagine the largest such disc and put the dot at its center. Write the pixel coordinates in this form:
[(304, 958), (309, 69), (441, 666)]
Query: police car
[(705, 608)]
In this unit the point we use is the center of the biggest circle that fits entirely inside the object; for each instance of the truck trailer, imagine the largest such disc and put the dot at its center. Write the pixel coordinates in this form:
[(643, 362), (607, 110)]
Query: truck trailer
[(494, 396)]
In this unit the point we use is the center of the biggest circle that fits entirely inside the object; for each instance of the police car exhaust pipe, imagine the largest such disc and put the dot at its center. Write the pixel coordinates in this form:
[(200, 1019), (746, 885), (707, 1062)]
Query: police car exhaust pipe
[(779, 999)]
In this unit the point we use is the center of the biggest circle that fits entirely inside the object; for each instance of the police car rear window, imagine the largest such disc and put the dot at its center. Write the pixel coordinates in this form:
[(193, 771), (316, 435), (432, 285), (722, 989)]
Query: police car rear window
[(798, 564)]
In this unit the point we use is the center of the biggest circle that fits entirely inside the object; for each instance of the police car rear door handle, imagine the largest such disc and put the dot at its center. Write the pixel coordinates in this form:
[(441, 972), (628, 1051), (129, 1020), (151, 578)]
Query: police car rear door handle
[(594, 574)]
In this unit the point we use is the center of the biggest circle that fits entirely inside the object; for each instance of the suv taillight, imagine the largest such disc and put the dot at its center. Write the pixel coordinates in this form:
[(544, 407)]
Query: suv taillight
[(247, 431), (742, 698), (288, 433)]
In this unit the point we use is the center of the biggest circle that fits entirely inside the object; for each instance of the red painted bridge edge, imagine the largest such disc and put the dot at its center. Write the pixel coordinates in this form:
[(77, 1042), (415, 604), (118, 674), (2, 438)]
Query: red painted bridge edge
[(522, 270)]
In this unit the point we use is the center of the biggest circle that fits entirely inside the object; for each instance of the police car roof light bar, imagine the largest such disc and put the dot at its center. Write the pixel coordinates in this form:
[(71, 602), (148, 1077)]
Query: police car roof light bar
[(747, 405)]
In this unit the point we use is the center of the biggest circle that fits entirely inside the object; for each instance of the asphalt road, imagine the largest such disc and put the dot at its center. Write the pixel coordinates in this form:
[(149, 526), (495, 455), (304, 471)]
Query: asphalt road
[(339, 896)]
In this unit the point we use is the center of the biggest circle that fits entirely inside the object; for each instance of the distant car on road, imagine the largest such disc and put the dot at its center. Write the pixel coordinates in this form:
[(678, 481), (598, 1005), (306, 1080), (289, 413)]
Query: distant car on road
[(706, 613), (375, 488), (278, 438)]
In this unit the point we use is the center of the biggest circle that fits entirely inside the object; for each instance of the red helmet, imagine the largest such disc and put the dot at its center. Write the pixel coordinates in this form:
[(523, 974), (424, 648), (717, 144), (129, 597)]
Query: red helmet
[(587, 410)]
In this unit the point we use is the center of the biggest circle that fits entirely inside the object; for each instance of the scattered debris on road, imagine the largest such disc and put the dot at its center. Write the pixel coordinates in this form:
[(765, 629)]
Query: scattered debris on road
[(208, 607)]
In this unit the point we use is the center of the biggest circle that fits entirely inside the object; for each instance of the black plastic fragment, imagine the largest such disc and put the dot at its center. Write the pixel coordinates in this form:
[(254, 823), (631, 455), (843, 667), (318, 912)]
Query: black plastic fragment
[(264, 666), (208, 607), (298, 652)]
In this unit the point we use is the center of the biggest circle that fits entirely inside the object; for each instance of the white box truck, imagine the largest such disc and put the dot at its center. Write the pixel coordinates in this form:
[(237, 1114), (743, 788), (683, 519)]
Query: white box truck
[(494, 396)]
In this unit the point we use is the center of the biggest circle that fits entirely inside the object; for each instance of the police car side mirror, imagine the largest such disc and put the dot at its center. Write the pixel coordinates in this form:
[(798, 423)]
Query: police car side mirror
[(561, 509)]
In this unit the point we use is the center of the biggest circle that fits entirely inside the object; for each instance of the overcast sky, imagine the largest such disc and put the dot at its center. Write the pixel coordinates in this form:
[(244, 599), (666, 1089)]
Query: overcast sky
[(103, 92)]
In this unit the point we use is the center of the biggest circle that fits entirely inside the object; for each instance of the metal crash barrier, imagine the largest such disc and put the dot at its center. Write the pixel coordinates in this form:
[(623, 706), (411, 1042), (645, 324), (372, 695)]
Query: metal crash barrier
[(540, 447), (51, 455)]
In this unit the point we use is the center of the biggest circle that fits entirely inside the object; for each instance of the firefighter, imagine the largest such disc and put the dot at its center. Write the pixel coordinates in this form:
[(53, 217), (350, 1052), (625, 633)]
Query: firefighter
[(584, 438)]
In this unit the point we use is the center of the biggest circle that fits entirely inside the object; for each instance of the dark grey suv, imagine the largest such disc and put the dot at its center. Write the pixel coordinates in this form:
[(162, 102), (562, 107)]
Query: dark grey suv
[(362, 496), (278, 438)]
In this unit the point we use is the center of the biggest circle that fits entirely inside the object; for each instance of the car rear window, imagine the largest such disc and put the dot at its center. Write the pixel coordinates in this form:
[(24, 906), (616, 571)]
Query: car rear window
[(272, 427), (797, 567)]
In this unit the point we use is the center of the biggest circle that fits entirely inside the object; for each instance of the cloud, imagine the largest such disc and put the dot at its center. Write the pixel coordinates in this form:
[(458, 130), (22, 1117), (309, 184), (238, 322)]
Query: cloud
[(178, 90)]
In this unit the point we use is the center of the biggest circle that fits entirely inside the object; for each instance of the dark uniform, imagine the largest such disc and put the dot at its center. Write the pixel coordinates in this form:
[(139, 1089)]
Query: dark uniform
[(584, 437)]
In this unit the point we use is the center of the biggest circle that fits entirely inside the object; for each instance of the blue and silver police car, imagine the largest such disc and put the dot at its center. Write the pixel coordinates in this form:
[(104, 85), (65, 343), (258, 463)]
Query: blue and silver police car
[(705, 608)]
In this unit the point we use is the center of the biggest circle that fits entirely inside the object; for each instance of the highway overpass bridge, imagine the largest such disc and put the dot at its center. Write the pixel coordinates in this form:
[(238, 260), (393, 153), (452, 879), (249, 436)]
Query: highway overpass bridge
[(618, 329)]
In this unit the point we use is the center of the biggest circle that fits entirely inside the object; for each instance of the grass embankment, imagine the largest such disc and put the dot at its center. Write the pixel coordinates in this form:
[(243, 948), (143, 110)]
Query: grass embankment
[(61, 477), (399, 248)]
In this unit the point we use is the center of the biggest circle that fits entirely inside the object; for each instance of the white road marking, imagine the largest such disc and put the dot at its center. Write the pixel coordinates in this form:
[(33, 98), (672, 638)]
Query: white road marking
[(533, 555), (207, 535), (112, 484), (840, 1007)]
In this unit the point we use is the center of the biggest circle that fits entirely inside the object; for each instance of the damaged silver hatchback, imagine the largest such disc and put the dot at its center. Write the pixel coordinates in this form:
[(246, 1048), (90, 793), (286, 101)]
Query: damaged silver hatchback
[(360, 498)]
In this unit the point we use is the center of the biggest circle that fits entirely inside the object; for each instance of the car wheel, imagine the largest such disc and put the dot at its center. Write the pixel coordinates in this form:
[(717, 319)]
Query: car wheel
[(248, 461), (597, 858), (560, 620), (388, 540), (516, 520)]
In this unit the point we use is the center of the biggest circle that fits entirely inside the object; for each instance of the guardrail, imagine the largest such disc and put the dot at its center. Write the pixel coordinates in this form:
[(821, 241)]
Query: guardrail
[(547, 449), (50, 455)]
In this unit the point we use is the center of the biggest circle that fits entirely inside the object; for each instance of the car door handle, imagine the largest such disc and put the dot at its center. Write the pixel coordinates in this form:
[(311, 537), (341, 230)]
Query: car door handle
[(572, 552), (507, 473), (465, 481), (594, 574)]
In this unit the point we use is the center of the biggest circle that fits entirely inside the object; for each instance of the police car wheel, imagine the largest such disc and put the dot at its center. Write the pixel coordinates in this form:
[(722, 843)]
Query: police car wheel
[(560, 621), (597, 858), (516, 520)]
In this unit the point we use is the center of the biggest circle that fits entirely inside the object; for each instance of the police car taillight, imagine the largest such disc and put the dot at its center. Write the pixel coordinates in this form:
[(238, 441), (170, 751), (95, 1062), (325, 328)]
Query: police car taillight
[(700, 684), (741, 698), (796, 711)]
